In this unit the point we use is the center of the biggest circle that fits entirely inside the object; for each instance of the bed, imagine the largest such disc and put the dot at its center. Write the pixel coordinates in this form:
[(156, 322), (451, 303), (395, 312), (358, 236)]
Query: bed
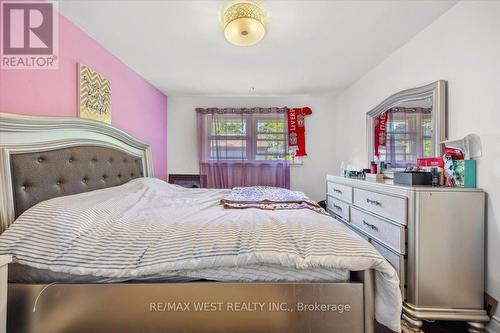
[(100, 245)]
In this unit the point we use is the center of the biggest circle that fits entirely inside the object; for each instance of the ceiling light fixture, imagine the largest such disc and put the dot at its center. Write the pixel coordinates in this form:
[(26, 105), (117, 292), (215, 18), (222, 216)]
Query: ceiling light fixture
[(244, 23)]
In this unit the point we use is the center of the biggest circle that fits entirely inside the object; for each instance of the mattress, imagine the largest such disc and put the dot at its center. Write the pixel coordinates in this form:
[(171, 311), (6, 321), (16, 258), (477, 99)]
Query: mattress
[(253, 273), (149, 230)]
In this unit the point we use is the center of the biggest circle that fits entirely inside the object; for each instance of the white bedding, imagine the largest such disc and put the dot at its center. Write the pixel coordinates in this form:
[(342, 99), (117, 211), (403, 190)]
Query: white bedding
[(150, 228)]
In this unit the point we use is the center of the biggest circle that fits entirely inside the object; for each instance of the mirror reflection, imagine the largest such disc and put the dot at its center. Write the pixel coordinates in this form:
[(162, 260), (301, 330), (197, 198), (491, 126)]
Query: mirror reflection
[(404, 133)]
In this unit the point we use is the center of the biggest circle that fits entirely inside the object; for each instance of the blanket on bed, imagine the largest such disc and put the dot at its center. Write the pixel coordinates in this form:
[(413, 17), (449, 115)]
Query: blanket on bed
[(148, 227), (267, 197)]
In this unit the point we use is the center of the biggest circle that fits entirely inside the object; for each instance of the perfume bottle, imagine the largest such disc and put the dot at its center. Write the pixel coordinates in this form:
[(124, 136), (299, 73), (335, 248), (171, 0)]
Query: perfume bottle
[(435, 177)]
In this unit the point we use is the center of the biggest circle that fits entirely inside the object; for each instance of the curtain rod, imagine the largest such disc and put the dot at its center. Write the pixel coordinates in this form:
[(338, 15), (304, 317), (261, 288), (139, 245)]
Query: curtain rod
[(241, 110)]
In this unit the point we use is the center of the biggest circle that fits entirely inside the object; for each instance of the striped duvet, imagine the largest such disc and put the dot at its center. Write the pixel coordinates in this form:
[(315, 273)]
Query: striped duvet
[(149, 228)]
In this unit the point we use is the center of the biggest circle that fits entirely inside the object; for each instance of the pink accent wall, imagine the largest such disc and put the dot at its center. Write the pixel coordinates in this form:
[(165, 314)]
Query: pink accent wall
[(138, 108)]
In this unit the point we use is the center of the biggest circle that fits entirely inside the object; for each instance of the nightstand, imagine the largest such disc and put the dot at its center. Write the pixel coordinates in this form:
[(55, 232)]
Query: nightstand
[(4, 261)]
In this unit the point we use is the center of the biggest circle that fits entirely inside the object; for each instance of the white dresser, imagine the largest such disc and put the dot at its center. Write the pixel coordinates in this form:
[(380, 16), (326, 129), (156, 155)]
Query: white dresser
[(434, 237), (4, 261)]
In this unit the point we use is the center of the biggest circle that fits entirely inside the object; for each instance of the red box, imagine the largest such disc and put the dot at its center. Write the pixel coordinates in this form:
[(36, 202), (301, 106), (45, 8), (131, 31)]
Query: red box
[(434, 162)]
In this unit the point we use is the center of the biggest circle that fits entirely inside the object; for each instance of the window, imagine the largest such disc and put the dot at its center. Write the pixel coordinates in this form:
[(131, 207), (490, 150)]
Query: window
[(251, 138), (271, 140), (228, 139), (243, 147)]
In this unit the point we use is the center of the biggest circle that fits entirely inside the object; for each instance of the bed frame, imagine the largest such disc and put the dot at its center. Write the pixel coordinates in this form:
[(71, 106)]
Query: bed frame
[(44, 157)]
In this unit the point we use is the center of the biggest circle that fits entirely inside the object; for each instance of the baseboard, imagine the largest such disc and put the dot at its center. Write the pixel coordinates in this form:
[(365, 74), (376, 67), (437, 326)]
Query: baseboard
[(494, 325)]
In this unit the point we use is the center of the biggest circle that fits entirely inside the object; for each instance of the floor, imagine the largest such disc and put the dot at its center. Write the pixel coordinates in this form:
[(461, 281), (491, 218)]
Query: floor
[(436, 327)]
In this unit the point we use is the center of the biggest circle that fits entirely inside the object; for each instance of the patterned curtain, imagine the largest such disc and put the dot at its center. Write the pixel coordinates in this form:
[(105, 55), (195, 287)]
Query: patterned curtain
[(243, 147)]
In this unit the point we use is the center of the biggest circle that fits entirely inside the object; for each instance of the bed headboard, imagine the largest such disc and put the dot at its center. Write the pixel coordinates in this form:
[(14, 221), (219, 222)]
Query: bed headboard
[(47, 157)]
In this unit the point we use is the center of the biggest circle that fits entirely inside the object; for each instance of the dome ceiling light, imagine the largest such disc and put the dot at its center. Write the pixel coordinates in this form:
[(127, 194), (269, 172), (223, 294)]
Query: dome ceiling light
[(244, 23)]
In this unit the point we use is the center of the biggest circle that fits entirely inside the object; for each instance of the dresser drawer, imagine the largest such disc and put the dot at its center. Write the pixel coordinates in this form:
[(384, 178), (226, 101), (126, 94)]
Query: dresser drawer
[(396, 260), (388, 206), (339, 191), (357, 232), (338, 207), (385, 232)]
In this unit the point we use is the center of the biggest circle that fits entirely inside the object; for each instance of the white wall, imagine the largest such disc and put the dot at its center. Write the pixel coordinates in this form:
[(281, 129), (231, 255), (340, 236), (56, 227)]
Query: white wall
[(462, 47), (309, 178)]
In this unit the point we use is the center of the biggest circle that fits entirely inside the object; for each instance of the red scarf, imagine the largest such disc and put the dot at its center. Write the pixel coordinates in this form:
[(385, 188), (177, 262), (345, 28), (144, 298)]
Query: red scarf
[(380, 132), (297, 130)]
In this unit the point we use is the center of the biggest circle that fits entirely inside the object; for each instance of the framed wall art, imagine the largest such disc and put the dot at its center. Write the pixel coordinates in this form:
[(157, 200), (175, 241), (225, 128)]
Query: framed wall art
[(94, 92)]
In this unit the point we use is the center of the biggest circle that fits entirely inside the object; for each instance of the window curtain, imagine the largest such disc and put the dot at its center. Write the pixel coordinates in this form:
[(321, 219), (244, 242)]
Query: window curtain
[(235, 149), (409, 135)]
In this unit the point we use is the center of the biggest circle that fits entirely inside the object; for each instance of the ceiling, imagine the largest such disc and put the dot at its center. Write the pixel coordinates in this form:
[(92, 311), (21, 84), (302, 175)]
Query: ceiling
[(310, 47)]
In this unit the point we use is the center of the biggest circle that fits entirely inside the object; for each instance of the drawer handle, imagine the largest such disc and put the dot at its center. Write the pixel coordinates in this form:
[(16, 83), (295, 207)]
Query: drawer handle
[(371, 226), (337, 207), (373, 202), (336, 190)]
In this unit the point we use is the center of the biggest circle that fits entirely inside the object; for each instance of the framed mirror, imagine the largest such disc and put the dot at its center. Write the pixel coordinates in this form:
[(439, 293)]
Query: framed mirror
[(408, 125)]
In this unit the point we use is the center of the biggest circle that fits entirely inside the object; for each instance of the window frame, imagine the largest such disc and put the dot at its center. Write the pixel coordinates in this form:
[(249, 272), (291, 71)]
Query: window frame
[(251, 140)]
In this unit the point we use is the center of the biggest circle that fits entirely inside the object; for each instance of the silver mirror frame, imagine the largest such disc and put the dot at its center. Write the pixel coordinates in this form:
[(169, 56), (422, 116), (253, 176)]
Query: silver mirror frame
[(436, 90)]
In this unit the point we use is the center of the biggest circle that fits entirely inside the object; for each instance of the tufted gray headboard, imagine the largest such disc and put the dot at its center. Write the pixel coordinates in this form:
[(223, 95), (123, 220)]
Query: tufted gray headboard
[(46, 157), (43, 175)]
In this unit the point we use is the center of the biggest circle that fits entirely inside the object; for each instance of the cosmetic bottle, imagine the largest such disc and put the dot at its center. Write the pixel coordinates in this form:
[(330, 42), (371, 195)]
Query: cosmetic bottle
[(435, 176)]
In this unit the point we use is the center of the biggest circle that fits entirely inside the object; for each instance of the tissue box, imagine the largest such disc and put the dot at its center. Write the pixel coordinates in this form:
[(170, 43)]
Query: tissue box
[(464, 173), (434, 162)]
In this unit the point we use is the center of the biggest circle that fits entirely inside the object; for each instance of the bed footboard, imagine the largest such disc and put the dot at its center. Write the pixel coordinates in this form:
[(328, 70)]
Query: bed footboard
[(193, 307)]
